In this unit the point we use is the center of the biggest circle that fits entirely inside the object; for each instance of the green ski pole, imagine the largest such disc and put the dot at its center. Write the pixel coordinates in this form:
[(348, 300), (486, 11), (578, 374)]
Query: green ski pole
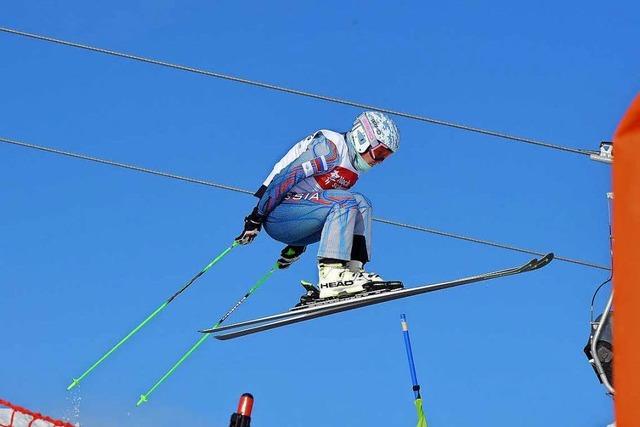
[(145, 397), (76, 381)]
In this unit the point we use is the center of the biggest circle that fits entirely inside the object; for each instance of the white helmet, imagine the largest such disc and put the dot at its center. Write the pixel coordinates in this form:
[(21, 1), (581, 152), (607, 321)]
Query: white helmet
[(372, 129)]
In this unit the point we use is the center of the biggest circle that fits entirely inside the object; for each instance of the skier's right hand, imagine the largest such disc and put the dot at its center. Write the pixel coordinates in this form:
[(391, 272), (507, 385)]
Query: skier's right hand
[(252, 225), (289, 255)]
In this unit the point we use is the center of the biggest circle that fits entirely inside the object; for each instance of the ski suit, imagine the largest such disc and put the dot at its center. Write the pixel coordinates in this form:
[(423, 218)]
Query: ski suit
[(306, 198)]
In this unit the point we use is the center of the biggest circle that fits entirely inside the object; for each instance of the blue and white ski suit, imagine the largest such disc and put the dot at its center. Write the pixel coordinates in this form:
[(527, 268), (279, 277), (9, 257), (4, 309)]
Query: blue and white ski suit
[(306, 197)]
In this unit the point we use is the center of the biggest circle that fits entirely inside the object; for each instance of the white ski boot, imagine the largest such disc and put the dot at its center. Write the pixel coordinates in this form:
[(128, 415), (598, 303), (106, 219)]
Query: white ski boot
[(337, 280), (356, 267)]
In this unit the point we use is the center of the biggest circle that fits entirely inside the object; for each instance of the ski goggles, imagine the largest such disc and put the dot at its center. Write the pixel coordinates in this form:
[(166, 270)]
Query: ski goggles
[(380, 152)]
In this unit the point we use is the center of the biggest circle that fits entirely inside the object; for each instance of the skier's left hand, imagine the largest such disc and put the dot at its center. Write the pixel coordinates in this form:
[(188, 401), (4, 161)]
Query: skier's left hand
[(289, 255), (252, 226)]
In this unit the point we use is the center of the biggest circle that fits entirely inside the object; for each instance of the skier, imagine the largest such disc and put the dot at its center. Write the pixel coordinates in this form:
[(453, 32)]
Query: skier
[(307, 198)]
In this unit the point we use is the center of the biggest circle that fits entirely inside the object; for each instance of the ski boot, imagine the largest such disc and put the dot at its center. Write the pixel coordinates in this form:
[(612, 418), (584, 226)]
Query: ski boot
[(335, 281), (374, 282), (338, 281), (341, 281)]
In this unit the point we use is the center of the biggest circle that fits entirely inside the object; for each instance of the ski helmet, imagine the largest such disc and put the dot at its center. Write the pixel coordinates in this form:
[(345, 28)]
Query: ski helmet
[(377, 131)]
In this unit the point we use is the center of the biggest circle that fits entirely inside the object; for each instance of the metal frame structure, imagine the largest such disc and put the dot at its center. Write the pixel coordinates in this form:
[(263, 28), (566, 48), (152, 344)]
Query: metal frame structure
[(599, 326)]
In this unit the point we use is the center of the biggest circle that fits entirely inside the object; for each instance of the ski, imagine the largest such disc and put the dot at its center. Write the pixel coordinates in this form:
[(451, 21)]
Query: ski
[(320, 309)]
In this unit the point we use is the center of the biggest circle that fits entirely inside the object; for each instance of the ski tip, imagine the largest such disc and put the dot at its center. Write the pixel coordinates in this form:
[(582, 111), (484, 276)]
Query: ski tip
[(546, 259), (539, 263)]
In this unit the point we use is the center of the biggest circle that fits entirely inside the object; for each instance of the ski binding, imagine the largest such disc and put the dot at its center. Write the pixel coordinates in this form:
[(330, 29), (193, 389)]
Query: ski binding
[(312, 297)]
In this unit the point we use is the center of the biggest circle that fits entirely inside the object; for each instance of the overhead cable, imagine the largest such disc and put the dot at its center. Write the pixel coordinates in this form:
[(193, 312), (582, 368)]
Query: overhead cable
[(124, 165), (299, 92), (241, 190)]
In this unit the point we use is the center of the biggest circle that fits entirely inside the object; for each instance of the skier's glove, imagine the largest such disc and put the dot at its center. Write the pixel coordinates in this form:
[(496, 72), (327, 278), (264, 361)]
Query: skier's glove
[(289, 255), (252, 226)]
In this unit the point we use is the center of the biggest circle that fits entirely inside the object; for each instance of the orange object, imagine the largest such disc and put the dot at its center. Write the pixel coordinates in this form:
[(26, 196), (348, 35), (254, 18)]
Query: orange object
[(245, 406), (242, 418), (626, 267)]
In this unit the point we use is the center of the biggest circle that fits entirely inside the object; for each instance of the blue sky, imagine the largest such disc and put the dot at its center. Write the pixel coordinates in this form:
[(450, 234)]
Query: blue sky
[(87, 251)]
